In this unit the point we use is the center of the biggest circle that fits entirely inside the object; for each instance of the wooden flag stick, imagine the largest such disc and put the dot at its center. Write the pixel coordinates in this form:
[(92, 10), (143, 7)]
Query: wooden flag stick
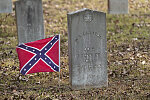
[(59, 61), (59, 80)]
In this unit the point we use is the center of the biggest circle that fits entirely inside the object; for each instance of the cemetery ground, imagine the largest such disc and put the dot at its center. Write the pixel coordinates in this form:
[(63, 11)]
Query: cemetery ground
[(128, 46)]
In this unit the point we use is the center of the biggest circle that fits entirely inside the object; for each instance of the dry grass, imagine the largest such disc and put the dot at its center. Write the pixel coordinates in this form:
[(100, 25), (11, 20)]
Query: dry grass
[(128, 44)]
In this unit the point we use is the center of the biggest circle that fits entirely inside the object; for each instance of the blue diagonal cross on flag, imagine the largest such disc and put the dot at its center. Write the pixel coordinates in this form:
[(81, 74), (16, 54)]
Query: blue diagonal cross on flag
[(40, 56)]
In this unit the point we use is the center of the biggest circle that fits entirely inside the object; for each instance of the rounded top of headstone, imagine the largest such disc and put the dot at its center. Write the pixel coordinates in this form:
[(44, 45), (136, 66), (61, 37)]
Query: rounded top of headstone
[(84, 10)]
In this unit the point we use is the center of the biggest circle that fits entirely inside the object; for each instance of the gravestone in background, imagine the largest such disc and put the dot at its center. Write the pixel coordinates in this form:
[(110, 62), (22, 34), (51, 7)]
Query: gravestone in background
[(5, 6), (87, 49), (118, 6), (29, 14)]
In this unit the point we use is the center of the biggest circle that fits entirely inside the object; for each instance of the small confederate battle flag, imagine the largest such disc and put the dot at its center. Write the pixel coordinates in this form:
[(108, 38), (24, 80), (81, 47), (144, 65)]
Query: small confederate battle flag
[(40, 56)]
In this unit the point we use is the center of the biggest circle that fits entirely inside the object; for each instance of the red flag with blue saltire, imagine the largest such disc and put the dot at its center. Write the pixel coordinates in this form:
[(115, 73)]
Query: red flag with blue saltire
[(40, 56)]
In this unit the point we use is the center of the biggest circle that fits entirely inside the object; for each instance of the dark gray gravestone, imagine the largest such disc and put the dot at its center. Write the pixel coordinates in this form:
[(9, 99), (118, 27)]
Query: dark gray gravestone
[(5, 6), (29, 14), (118, 6), (87, 49)]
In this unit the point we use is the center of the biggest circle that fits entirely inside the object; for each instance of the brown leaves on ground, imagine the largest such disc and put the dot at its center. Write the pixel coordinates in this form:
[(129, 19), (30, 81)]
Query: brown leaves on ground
[(128, 46)]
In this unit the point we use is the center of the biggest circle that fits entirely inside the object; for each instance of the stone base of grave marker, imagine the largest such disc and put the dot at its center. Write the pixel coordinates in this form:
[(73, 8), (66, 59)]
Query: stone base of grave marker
[(87, 49)]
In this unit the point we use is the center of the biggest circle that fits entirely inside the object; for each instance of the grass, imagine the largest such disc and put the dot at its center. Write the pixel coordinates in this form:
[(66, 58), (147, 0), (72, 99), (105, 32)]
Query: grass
[(128, 45)]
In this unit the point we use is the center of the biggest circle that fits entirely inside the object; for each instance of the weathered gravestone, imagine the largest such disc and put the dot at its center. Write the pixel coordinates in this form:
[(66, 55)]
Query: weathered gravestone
[(29, 14), (118, 6), (5, 6), (87, 49)]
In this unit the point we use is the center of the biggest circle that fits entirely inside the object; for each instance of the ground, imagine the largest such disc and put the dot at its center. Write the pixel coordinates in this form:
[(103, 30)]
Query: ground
[(128, 46)]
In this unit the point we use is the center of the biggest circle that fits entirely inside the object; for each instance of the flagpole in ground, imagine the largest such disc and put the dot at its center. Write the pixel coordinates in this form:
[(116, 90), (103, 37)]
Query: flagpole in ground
[(59, 79), (59, 60)]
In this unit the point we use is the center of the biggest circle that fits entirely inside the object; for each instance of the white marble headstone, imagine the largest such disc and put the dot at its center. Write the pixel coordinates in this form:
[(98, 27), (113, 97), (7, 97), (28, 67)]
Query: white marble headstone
[(30, 24), (5, 6), (87, 49), (118, 6)]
